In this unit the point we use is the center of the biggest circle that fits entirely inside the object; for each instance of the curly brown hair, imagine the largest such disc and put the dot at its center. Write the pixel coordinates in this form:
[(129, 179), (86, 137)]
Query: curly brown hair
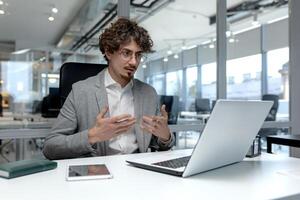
[(122, 32)]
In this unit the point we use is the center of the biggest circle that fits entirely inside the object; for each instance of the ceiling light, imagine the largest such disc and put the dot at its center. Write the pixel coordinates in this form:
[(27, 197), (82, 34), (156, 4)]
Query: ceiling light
[(51, 19), (165, 59), (54, 10), (20, 51), (212, 44), (2, 12), (169, 52), (228, 33), (144, 66), (52, 80), (1, 2), (176, 56), (231, 40)]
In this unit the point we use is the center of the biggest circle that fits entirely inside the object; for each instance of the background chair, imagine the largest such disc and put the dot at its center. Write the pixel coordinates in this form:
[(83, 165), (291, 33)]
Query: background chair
[(72, 72), (275, 98), (202, 105), (271, 116)]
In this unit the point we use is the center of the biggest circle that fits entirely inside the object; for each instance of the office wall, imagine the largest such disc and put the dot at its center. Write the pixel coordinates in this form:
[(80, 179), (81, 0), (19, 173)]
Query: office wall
[(277, 35), (155, 67), (174, 64)]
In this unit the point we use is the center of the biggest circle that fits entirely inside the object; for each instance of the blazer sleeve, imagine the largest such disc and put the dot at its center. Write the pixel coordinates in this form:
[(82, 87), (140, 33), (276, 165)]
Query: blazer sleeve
[(64, 140)]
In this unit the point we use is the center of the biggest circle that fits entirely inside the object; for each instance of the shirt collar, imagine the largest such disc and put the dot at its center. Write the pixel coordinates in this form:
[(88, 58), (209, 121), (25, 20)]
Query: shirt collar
[(110, 82)]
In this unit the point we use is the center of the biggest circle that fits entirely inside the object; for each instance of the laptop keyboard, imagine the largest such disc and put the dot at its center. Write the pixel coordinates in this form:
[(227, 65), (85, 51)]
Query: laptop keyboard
[(174, 163)]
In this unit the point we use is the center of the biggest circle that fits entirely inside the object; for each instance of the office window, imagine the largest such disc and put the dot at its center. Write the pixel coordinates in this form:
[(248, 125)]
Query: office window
[(278, 80), (174, 83), (17, 86), (208, 77), (246, 74), (158, 83), (278, 72), (191, 84)]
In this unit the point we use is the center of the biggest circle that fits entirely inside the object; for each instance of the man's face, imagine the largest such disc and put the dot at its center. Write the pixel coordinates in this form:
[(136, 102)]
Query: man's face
[(124, 62)]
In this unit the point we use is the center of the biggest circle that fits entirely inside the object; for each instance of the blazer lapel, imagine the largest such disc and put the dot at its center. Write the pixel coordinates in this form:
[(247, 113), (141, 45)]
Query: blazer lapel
[(101, 94), (102, 101), (142, 137)]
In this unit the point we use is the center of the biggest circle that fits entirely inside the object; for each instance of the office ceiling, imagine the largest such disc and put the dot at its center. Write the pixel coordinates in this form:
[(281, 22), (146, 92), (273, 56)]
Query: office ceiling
[(178, 21), (26, 22)]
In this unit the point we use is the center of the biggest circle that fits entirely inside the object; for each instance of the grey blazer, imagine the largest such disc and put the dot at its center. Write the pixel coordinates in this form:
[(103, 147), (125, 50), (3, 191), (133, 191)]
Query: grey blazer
[(69, 134)]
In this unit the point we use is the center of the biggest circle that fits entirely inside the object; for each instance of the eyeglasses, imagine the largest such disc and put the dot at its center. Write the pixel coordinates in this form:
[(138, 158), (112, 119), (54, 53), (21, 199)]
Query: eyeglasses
[(127, 55)]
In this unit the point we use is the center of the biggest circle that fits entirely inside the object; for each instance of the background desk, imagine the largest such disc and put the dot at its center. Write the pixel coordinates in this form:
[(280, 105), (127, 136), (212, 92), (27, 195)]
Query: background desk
[(289, 140), (259, 178)]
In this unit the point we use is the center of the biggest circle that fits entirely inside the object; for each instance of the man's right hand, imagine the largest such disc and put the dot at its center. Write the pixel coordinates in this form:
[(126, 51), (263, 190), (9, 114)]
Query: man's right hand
[(107, 128)]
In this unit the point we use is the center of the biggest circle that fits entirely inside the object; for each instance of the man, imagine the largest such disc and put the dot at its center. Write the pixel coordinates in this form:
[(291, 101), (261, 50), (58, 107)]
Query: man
[(112, 113)]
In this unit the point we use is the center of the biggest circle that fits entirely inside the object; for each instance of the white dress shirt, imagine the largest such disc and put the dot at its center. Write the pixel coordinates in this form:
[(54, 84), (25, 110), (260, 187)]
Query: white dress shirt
[(120, 101)]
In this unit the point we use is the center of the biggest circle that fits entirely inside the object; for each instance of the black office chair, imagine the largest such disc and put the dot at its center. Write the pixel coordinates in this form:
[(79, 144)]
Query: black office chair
[(202, 105), (275, 98), (271, 116), (213, 103), (72, 72), (172, 103)]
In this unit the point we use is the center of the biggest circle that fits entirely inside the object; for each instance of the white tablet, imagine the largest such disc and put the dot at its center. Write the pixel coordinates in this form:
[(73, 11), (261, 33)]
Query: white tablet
[(86, 172)]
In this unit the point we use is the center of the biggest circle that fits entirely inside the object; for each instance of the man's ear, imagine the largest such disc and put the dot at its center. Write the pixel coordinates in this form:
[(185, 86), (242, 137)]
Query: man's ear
[(108, 55)]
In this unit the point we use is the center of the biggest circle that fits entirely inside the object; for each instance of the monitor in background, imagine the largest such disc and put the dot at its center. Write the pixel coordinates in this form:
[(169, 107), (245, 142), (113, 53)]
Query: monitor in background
[(202, 105), (171, 103), (51, 103), (54, 91)]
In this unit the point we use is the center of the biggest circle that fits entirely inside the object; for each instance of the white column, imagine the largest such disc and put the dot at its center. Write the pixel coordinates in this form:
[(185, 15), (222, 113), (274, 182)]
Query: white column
[(294, 70), (221, 49), (124, 8)]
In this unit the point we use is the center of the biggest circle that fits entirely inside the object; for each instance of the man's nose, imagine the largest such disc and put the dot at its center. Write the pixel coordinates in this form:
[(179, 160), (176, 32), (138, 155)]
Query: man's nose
[(133, 60)]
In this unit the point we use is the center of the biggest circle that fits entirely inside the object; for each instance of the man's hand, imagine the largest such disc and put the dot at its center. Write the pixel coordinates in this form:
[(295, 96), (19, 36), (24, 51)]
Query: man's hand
[(107, 128), (157, 125)]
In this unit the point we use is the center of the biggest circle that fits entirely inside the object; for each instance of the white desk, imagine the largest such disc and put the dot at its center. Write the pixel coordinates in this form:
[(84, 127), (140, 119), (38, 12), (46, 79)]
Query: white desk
[(258, 178)]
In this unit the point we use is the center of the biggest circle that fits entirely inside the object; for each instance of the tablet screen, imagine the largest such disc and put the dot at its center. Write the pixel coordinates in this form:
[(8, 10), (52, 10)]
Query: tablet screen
[(80, 172)]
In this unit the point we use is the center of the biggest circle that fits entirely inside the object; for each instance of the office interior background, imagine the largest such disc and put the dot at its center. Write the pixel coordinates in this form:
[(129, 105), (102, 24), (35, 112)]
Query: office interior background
[(196, 61)]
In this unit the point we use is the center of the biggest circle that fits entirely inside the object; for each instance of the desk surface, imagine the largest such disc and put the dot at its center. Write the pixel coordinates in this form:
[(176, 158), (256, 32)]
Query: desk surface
[(259, 178)]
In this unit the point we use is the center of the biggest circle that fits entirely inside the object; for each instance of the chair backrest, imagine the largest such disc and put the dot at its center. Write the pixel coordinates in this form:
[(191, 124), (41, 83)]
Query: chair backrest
[(72, 72), (275, 98), (202, 105), (172, 103)]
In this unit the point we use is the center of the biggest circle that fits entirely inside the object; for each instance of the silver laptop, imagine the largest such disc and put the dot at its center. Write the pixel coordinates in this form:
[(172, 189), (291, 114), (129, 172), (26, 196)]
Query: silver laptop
[(226, 138)]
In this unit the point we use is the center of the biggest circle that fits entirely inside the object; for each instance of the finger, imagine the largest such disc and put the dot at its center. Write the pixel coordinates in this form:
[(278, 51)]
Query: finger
[(121, 131), (148, 129), (125, 125), (159, 119), (103, 112), (120, 118), (125, 121), (163, 111), (148, 119)]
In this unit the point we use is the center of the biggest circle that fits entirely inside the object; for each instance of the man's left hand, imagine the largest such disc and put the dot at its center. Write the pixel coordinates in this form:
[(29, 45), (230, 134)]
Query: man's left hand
[(157, 125)]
